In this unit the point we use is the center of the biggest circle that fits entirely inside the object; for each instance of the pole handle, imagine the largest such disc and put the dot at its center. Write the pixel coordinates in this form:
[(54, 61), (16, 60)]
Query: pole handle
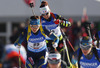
[(31, 5)]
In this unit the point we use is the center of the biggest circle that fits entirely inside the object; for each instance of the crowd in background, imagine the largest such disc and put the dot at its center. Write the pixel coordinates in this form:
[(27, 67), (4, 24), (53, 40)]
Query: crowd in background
[(78, 30)]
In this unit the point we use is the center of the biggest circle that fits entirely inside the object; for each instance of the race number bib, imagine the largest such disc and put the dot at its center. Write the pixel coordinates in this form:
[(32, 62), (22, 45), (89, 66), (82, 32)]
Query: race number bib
[(36, 45)]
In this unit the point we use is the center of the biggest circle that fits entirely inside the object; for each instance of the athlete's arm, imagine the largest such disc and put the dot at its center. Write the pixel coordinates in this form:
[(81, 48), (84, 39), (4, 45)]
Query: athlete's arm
[(98, 50), (75, 60), (63, 21), (21, 38), (51, 35)]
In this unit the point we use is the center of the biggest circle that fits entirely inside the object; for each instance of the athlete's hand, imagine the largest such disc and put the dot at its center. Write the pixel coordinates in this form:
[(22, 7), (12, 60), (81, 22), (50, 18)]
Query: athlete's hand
[(69, 24), (55, 45), (18, 46), (56, 21), (65, 23)]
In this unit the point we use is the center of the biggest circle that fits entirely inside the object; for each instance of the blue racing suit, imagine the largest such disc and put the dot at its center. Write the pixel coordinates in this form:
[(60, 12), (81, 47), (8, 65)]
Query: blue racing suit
[(36, 46), (52, 24), (87, 63), (54, 27)]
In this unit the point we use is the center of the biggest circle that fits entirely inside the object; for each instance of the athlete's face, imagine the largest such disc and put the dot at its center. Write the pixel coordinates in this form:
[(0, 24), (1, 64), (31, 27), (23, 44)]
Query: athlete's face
[(46, 15), (34, 28), (55, 65), (86, 52)]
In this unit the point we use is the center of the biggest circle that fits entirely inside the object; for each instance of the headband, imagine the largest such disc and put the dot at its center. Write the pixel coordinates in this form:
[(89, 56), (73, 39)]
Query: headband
[(35, 22), (44, 10), (54, 56)]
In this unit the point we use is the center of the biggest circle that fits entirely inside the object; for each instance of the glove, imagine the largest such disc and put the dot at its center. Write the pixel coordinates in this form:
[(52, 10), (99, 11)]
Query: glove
[(65, 23), (31, 5), (69, 24), (55, 45), (17, 45), (56, 21)]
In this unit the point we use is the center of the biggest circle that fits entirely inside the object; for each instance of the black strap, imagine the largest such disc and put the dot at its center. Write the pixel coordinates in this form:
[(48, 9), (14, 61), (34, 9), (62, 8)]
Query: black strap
[(98, 42), (96, 53)]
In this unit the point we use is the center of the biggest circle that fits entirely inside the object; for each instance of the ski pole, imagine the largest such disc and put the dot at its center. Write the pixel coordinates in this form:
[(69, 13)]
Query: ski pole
[(55, 49), (89, 32), (67, 40), (88, 29), (64, 38), (67, 51), (32, 5), (19, 59)]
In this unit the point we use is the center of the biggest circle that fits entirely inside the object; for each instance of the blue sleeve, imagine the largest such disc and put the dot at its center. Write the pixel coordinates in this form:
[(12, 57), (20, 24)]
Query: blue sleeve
[(21, 37), (54, 37), (78, 51), (46, 31), (75, 57), (98, 50), (45, 66), (99, 34), (51, 35), (64, 22)]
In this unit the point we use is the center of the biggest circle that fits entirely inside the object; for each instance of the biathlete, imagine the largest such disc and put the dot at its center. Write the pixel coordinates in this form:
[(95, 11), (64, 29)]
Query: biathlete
[(52, 21), (36, 44), (86, 56)]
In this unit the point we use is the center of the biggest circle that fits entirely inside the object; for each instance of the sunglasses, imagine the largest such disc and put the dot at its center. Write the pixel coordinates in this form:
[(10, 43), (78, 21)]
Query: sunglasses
[(34, 26), (85, 46), (54, 61), (45, 14)]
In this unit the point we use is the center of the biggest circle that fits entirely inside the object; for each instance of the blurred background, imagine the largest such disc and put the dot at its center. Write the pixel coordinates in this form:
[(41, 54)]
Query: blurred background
[(14, 17), (15, 12)]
